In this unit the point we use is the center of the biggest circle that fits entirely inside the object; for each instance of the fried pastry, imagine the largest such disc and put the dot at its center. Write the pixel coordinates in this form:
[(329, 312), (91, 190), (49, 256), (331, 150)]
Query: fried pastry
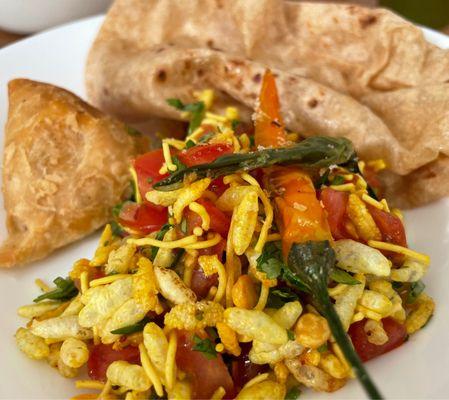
[(65, 166)]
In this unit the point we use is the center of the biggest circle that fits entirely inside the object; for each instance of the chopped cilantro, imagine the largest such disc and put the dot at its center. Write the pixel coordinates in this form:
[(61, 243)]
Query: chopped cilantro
[(117, 230), (278, 297), (270, 261), (234, 124), (126, 330), (159, 236), (196, 111), (117, 208), (189, 144), (205, 138), (396, 285), (65, 290), (293, 393), (338, 180), (205, 346), (416, 288), (340, 276), (176, 103), (179, 165), (290, 334)]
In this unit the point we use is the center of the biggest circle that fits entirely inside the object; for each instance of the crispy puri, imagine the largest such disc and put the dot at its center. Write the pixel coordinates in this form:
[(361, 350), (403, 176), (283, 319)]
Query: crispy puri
[(65, 166), (342, 70)]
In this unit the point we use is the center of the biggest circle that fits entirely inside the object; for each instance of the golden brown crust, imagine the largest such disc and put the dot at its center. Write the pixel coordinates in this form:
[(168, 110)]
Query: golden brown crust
[(65, 166)]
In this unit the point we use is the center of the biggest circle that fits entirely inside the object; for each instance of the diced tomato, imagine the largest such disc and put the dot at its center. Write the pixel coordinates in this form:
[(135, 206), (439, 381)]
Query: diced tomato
[(201, 283), (206, 375), (217, 186), (243, 370), (258, 174), (145, 217), (392, 230), (335, 203), (390, 226), (219, 221), (218, 249), (102, 355), (205, 153), (373, 180), (147, 168), (397, 334)]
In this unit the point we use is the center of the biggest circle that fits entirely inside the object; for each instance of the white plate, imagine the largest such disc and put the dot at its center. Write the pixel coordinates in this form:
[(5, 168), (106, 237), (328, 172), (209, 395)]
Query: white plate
[(419, 369)]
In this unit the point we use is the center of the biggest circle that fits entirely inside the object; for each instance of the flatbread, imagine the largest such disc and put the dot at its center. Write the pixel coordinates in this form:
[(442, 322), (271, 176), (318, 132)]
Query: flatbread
[(65, 166), (342, 70)]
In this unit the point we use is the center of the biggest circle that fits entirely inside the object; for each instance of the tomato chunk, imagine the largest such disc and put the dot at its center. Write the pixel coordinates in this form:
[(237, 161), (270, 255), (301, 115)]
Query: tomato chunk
[(243, 370), (217, 186), (219, 221), (201, 283), (144, 218), (390, 226), (204, 153), (396, 332), (206, 375), (102, 355), (147, 168), (335, 203)]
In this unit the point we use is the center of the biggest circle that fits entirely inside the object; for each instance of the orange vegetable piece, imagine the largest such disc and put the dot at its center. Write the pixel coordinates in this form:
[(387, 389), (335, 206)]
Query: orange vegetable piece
[(269, 128), (300, 215)]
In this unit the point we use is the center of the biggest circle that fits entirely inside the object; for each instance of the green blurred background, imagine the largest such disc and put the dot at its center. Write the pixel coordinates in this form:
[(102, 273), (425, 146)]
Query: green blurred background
[(433, 13)]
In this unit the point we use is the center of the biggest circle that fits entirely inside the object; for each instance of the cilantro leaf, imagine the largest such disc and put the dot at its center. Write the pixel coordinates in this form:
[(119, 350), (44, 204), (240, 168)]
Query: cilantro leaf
[(126, 330), (205, 138), (116, 228), (338, 180), (293, 393), (270, 261), (205, 346), (196, 111), (159, 236), (340, 276), (290, 334), (179, 165), (189, 144), (416, 288), (65, 290), (117, 208), (278, 297)]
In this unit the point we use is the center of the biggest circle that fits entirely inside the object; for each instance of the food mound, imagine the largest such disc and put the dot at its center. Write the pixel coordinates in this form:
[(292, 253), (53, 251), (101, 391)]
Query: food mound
[(245, 264)]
